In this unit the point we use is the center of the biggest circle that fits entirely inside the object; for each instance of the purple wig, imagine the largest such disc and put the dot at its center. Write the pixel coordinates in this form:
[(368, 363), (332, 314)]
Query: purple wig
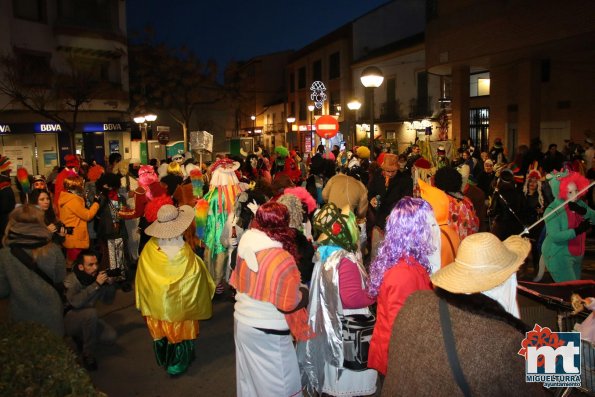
[(408, 236)]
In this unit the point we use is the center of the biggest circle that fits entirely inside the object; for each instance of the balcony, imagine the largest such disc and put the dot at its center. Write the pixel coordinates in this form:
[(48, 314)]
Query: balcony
[(390, 111), (420, 108), (273, 128)]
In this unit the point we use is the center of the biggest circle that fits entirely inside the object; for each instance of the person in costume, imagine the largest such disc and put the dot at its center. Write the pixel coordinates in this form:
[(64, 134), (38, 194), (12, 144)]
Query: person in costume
[(297, 218), (338, 289), (475, 295), (7, 199), (270, 307), (401, 268), (148, 189), (534, 207), (506, 207), (72, 165), (74, 214), (173, 289), (224, 189), (564, 245)]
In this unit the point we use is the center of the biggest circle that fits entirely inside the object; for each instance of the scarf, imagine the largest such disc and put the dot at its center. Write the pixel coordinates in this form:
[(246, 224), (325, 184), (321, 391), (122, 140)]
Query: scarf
[(84, 278)]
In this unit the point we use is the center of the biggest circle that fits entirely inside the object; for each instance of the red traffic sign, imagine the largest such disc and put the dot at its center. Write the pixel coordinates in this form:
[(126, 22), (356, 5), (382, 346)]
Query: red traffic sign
[(327, 126), (163, 137)]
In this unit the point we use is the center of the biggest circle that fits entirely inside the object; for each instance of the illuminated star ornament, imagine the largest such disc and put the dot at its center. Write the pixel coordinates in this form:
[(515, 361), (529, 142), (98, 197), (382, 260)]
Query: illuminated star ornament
[(318, 94)]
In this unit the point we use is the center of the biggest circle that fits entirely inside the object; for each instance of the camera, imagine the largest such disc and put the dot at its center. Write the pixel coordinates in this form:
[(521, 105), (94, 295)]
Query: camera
[(113, 272), (60, 225)]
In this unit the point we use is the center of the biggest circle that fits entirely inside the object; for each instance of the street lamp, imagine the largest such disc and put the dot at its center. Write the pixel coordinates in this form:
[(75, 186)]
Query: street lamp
[(253, 118), (142, 122), (371, 78), (311, 110), (354, 105), (290, 120)]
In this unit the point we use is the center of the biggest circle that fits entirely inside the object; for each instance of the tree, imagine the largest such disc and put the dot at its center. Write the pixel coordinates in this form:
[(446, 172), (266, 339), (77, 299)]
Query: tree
[(57, 95), (172, 80)]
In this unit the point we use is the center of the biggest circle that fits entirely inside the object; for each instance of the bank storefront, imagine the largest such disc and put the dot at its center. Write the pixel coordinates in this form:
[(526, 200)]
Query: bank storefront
[(41, 146)]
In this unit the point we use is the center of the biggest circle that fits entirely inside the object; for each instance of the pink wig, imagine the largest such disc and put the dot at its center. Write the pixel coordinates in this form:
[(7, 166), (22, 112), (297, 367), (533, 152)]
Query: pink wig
[(408, 236), (147, 176), (580, 181), (303, 195)]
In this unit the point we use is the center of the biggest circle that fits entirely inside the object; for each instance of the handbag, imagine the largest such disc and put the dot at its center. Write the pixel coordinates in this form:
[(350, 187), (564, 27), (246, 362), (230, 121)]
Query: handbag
[(357, 332)]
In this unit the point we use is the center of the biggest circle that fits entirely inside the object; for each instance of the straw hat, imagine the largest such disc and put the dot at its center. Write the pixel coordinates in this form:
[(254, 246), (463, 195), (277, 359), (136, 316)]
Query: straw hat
[(482, 263), (390, 162), (171, 221)]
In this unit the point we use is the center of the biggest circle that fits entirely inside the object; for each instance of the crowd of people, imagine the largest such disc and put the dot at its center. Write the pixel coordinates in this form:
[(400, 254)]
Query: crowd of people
[(339, 263)]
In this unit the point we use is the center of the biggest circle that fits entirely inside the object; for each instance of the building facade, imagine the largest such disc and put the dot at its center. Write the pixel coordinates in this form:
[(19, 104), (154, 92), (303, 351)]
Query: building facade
[(69, 58), (515, 70)]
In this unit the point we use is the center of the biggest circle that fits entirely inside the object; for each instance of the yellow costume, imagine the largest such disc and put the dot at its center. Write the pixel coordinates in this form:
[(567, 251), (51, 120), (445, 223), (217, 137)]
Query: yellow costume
[(172, 295)]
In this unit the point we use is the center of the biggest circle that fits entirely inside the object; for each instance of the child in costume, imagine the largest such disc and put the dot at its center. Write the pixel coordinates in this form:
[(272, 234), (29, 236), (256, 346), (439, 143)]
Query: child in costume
[(564, 245), (173, 289)]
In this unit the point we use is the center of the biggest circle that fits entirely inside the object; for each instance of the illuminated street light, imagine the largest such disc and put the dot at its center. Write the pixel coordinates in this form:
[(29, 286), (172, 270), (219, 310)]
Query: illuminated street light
[(371, 78)]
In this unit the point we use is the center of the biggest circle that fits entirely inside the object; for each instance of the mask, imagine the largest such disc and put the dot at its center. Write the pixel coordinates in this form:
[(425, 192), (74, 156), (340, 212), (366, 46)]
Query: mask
[(572, 191), (253, 162)]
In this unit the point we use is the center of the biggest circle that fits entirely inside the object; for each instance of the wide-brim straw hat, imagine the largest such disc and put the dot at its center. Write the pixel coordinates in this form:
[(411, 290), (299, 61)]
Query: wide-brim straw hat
[(171, 221), (483, 262)]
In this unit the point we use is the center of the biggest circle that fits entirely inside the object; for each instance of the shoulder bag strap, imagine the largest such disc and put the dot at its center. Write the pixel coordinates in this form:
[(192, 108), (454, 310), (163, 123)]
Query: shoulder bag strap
[(26, 260), (451, 352), (452, 247)]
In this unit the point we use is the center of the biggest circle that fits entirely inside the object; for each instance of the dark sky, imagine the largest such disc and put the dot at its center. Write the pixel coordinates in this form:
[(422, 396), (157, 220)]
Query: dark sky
[(240, 29)]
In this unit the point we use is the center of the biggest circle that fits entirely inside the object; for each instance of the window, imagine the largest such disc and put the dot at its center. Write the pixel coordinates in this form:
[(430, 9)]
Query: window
[(292, 82), (390, 107), (479, 127), (479, 84), (317, 70), (34, 68), (93, 14), (302, 77), (31, 10), (334, 69), (334, 103), (303, 111), (422, 93), (291, 109)]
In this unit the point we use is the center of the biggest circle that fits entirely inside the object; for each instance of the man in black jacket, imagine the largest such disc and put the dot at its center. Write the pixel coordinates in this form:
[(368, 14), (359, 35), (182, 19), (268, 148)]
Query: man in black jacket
[(386, 187)]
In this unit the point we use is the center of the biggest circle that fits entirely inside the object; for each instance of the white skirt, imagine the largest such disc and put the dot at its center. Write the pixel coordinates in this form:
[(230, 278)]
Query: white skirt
[(266, 365)]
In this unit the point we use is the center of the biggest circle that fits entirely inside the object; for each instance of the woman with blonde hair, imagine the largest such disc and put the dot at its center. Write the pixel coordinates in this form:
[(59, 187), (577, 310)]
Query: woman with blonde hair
[(75, 215), (28, 249)]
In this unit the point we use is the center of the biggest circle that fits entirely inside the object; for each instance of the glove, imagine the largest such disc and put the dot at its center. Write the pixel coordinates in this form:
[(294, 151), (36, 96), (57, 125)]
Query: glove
[(582, 227), (575, 207)]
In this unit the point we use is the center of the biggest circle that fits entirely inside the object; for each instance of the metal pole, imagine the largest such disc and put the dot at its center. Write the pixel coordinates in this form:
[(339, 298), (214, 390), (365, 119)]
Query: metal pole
[(372, 156), (147, 142)]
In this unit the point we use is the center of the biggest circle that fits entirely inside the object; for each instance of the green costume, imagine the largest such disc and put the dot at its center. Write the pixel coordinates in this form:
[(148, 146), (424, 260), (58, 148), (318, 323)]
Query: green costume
[(562, 249)]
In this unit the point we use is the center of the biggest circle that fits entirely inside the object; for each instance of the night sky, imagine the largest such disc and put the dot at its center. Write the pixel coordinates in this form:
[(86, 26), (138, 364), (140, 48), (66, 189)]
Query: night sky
[(227, 30)]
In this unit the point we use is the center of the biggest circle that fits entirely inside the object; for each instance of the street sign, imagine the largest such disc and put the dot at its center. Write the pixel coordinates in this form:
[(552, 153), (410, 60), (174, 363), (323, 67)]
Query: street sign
[(327, 126), (163, 137)]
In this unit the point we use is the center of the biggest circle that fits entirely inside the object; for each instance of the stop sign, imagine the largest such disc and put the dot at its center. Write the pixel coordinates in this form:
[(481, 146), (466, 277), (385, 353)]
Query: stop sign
[(327, 126), (163, 137)]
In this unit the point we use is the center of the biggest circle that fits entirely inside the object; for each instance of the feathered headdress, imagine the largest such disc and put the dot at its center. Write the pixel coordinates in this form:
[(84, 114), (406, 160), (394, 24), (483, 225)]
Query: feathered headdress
[(197, 182), (153, 206), (303, 195), (23, 179)]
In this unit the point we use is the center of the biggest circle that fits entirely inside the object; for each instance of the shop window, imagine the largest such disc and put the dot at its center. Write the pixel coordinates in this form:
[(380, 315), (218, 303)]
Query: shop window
[(302, 77), (31, 10), (479, 84), (479, 127), (334, 71), (317, 70)]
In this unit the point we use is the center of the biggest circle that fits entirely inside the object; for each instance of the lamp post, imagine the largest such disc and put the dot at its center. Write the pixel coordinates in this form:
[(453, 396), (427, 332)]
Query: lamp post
[(142, 122), (311, 110), (290, 120), (354, 105), (371, 78), (253, 118)]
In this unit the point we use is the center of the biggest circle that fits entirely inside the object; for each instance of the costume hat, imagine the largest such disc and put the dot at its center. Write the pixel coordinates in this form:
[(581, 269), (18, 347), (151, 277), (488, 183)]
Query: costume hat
[(390, 162), (4, 164), (71, 160), (483, 262), (171, 221)]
